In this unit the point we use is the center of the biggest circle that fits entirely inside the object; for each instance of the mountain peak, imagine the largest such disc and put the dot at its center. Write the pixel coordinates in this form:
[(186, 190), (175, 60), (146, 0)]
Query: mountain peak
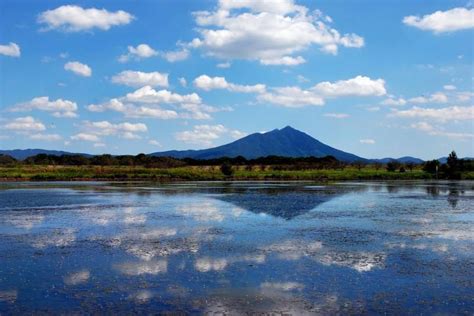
[(288, 142), (288, 128)]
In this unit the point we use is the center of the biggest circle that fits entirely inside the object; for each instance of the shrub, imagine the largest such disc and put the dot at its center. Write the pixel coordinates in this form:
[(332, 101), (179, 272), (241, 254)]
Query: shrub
[(226, 169)]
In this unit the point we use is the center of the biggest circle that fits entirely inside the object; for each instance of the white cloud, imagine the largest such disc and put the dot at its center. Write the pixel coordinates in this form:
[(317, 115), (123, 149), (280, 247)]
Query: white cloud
[(46, 137), (124, 130), (394, 102), (431, 130), (437, 97), (337, 115), (131, 110), (449, 87), (268, 31), (154, 143), (206, 134), (285, 60), (291, 97), (149, 95), (148, 102), (452, 113), (78, 68), (139, 79), (302, 79), (72, 18), (174, 56), (59, 107), (223, 65), (183, 82), (86, 137), (358, 86), (452, 20), (465, 96), (367, 141), (140, 52), (209, 83), (25, 124), (12, 50)]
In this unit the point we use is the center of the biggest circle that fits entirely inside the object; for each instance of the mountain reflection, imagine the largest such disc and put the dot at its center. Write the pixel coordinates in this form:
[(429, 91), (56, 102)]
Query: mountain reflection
[(284, 202)]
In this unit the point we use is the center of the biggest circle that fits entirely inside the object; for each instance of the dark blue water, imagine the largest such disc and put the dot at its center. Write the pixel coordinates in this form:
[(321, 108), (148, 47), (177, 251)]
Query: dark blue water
[(295, 248)]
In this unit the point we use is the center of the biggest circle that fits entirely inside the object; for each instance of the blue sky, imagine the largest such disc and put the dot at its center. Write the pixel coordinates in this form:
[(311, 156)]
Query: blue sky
[(126, 77)]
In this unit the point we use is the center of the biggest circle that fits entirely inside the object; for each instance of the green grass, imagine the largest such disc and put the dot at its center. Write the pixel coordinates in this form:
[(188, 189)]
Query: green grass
[(58, 173)]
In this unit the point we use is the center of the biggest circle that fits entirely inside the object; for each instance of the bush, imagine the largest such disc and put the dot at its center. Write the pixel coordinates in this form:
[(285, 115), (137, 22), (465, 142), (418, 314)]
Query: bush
[(393, 165), (226, 169)]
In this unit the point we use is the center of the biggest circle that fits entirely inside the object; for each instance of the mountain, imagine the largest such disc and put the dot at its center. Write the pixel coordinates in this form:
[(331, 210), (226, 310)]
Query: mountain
[(21, 154), (404, 159), (287, 142)]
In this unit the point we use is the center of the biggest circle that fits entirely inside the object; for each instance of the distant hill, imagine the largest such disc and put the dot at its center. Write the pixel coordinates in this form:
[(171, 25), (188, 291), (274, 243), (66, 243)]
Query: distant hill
[(21, 154), (404, 159), (287, 142)]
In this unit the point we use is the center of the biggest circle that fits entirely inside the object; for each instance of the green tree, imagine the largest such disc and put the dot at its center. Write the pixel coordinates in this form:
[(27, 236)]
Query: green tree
[(226, 169), (393, 165), (431, 166), (453, 166)]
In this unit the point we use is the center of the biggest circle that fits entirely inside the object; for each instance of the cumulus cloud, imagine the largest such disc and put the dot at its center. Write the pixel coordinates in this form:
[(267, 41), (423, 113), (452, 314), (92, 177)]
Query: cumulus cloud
[(174, 56), (132, 110), (46, 137), (11, 49), (367, 141), (94, 131), (257, 30), (437, 97), (139, 79), (337, 115), (140, 52), (183, 82), (285, 60), (206, 134), (73, 18), (59, 107), (85, 137), (358, 86), (154, 143), (438, 131), (452, 113), (394, 102), (147, 102), (456, 19), (78, 68), (292, 97), (449, 87), (25, 124), (210, 83)]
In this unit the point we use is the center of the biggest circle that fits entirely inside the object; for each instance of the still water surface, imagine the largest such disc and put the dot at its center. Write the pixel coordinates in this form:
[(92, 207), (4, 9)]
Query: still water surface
[(296, 248)]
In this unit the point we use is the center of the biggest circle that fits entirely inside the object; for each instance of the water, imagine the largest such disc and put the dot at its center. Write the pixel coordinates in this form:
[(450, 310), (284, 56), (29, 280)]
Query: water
[(295, 248)]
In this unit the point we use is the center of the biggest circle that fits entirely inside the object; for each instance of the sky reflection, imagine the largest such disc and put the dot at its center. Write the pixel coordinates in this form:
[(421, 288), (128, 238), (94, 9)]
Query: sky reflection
[(234, 248)]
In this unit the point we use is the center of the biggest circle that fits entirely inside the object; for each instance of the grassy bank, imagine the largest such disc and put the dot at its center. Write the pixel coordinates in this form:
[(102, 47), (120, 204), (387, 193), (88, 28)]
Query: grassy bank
[(200, 173)]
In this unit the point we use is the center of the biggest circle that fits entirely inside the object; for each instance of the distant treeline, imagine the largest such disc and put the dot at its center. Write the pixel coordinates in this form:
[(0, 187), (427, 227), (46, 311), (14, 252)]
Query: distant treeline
[(452, 169)]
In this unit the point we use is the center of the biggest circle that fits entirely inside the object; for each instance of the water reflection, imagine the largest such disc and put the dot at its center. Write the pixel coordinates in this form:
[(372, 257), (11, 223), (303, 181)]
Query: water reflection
[(238, 248)]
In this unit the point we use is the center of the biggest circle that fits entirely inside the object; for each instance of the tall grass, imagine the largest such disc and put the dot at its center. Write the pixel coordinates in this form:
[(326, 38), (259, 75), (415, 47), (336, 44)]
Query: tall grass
[(195, 173)]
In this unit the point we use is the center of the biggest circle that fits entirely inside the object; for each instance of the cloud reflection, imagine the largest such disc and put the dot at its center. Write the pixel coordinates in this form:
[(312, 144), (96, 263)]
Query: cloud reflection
[(78, 277)]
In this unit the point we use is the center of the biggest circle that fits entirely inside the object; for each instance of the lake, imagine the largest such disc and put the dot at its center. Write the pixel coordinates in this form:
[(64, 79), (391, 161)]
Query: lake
[(242, 247)]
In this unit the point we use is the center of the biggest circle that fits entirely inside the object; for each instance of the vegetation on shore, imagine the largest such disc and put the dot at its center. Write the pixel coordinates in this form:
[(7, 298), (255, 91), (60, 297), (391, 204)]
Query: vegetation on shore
[(142, 167)]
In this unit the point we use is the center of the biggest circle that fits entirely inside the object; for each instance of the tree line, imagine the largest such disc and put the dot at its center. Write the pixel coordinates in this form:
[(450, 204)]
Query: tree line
[(451, 170)]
